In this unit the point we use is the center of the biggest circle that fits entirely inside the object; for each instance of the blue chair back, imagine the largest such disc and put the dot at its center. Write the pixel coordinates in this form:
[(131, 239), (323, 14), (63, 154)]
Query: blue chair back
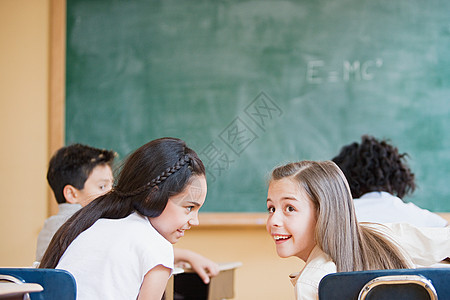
[(408, 284), (57, 284)]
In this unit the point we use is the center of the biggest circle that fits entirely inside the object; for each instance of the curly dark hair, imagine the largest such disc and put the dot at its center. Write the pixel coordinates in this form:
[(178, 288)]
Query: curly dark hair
[(375, 165)]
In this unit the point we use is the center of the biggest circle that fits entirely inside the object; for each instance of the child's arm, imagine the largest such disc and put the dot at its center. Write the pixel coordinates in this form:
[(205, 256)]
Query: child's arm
[(204, 267), (154, 283), (425, 246)]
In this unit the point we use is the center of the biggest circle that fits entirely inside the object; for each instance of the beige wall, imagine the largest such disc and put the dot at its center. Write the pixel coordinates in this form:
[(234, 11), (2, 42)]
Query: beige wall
[(23, 127)]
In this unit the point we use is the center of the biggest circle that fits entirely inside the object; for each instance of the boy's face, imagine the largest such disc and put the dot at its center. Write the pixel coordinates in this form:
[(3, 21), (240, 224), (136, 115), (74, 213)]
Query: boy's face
[(99, 182), (181, 211)]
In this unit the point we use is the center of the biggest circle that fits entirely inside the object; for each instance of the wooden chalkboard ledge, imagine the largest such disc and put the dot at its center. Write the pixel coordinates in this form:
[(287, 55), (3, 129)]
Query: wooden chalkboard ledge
[(208, 220), (232, 219)]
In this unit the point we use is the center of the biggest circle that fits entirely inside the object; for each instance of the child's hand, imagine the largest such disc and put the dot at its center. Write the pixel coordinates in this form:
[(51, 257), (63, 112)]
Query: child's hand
[(204, 267)]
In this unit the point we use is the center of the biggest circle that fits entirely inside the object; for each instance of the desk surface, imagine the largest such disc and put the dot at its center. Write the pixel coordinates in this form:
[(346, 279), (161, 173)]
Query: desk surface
[(222, 267), (11, 288)]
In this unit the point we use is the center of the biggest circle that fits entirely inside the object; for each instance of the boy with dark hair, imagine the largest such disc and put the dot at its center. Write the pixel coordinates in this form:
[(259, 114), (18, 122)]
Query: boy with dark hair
[(77, 175)]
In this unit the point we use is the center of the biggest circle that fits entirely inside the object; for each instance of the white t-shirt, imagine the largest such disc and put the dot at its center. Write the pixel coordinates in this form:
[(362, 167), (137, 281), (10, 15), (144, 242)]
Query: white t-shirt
[(110, 259), (382, 207)]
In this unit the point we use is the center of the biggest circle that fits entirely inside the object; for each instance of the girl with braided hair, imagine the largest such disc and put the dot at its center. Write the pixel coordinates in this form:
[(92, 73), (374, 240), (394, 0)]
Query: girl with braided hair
[(120, 245)]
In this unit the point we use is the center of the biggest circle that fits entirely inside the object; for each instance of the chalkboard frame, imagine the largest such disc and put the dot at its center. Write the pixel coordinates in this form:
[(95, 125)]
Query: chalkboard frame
[(57, 105)]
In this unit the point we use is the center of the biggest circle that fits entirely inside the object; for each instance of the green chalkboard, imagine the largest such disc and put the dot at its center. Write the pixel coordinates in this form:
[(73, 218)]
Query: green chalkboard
[(253, 84)]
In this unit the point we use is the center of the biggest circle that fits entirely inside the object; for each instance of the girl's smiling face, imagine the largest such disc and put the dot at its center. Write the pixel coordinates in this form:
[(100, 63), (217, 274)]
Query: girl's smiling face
[(292, 218), (181, 211)]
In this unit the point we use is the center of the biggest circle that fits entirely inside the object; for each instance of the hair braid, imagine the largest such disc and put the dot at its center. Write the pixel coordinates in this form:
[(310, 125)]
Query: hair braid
[(155, 181), (169, 171)]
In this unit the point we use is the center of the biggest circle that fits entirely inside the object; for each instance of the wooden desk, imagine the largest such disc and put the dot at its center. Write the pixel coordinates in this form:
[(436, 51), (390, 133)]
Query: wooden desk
[(186, 284)]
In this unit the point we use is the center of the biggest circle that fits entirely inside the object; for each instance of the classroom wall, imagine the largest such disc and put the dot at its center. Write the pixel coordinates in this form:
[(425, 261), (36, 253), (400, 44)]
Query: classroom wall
[(23, 127)]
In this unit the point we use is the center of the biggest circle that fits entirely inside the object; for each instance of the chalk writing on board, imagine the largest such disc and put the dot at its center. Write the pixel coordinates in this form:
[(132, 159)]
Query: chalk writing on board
[(317, 71), (239, 135)]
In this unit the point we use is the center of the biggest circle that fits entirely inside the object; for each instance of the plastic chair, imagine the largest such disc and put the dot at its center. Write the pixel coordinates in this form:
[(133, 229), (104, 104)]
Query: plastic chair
[(57, 284), (411, 284)]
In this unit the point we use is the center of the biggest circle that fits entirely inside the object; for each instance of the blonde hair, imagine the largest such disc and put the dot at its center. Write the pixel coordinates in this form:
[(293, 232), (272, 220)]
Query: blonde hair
[(351, 246)]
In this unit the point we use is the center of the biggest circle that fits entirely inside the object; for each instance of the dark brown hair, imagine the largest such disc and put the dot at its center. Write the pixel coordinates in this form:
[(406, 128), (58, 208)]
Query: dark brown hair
[(153, 173)]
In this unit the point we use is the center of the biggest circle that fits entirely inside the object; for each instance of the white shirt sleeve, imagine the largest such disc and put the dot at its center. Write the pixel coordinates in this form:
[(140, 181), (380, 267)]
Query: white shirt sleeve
[(425, 245)]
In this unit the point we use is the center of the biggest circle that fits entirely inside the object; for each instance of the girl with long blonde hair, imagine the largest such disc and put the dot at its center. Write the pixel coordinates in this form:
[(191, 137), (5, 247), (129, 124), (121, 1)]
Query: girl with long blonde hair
[(311, 216)]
